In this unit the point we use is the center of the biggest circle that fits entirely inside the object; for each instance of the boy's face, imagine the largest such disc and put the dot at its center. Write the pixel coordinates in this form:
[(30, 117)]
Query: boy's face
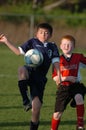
[(43, 34), (66, 46)]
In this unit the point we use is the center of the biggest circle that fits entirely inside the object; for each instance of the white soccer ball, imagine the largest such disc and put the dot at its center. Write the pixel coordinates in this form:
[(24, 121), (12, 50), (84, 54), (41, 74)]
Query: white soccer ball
[(33, 58)]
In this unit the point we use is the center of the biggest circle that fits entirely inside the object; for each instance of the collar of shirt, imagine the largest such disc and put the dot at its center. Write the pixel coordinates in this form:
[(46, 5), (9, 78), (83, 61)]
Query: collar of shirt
[(45, 44)]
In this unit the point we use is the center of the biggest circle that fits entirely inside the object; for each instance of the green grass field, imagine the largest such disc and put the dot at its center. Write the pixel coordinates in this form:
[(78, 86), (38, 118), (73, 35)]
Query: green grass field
[(12, 115)]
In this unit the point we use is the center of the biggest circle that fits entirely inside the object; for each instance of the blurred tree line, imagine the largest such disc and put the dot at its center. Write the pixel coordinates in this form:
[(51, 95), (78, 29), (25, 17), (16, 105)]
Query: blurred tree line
[(72, 5), (75, 5)]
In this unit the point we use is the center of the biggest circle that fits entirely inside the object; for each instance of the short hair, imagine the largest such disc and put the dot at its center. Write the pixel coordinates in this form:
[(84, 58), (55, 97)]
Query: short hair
[(46, 26), (69, 37)]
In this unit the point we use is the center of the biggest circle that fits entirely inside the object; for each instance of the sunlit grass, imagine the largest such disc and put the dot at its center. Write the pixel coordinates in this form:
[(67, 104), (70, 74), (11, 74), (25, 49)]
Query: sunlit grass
[(12, 115)]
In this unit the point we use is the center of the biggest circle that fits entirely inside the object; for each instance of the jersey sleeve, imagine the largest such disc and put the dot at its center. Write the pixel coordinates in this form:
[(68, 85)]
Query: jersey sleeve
[(55, 53), (83, 59), (82, 65), (54, 73), (25, 46)]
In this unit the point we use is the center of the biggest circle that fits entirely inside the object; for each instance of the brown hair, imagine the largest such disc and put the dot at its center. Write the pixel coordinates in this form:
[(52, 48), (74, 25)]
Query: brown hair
[(46, 26), (69, 37)]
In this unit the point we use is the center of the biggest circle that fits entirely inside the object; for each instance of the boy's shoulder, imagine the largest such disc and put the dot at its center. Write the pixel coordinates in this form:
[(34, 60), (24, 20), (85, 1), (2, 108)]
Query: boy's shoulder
[(52, 43), (77, 54), (52, 46), (33, 41)]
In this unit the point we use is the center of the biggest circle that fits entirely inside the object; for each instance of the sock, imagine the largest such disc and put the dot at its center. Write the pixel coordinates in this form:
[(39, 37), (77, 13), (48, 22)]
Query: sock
[(22, 84), (80, 115), (55, 124), (34, 125)]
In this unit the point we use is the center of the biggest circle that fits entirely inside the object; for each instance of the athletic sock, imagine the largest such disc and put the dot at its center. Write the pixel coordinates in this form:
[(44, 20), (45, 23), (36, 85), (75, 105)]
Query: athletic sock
[(80, 115), (55, 124), (34, 125), (22, 84)]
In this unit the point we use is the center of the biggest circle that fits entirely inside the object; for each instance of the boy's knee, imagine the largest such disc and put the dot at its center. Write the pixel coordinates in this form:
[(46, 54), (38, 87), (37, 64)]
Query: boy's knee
[(22, 73), (79, 99), (57, 115)]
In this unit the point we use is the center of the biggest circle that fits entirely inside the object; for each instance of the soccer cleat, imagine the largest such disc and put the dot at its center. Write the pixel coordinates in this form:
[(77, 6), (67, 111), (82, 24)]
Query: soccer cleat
[(80, 128), (27, 103), (27, 107)]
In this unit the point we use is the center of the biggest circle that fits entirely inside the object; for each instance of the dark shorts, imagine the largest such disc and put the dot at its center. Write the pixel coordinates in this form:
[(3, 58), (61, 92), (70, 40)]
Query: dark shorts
[(37, 83), (65, 93)]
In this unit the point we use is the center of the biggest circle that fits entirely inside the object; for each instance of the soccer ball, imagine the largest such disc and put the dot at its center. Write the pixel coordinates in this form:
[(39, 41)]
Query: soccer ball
[(33, 58)]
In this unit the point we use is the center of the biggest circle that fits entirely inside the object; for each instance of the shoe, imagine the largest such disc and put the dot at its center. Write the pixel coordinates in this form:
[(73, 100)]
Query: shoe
[(27, 107), (80, 128), (73, 103)]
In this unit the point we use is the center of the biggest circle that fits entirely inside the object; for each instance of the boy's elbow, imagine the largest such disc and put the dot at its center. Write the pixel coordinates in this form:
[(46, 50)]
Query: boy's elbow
[(17, 53)]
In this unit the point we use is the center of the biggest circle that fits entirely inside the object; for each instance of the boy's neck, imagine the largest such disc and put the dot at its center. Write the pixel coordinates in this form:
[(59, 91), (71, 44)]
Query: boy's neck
[(67, 55)]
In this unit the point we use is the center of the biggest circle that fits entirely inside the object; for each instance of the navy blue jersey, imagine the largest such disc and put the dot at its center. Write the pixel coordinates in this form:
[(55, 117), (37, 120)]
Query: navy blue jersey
[(48, 49)]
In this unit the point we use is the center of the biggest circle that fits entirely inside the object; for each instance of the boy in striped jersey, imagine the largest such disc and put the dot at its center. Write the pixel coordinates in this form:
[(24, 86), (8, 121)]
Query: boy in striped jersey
[(70, 86)]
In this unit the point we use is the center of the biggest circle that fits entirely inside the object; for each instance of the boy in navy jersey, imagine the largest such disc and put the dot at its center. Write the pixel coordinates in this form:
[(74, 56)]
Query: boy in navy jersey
[(70, 86), (35, 78)]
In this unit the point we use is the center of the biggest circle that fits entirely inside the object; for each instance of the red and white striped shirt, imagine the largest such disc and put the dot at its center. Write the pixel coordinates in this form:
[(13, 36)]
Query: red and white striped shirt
[(71, 66)]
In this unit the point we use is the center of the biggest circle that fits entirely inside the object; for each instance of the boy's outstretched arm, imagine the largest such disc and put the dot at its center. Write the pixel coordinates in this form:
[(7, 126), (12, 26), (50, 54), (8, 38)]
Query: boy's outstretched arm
[(4, 40)]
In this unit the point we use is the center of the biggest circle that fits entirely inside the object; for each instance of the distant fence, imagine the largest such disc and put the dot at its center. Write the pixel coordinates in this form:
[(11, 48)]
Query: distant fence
[(74, 24), (33, 19)]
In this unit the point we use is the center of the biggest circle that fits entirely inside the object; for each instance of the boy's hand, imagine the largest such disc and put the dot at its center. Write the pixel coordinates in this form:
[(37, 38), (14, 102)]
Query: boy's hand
[(3, 38), (69, 78), (1, 35), (57, 80)]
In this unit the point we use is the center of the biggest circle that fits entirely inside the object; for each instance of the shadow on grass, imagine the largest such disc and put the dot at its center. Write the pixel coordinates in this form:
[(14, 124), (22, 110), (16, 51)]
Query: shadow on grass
[(5, 124), (10, 107), (9, 94)]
